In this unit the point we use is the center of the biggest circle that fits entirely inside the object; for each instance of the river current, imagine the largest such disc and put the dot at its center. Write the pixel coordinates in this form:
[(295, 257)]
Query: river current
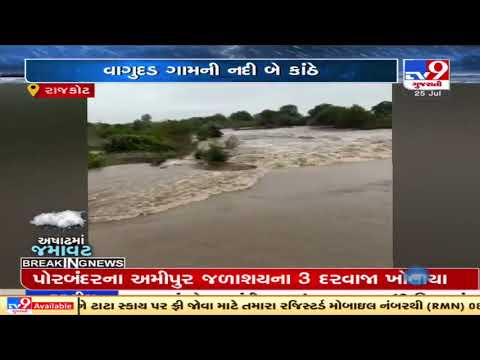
[(127, 191)]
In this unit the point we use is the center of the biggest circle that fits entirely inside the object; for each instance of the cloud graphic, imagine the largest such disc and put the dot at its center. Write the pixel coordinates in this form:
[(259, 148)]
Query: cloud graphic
[(63, 219)]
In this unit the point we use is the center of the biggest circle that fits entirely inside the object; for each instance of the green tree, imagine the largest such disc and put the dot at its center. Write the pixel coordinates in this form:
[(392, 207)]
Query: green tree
[(319, 108), (266, 118), (145, 122), (217, 119), (146, 118), (138, 125), (291, 110), (354, 117), (382, 113), (240, 118), (325, 114), (289, 116), (382, 109), (282, 119), (207, 131)]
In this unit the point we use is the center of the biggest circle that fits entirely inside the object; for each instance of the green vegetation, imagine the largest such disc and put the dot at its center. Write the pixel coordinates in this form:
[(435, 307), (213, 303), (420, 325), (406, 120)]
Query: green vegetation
[(356, 117), (144, 140), (127, 142), (96, 160), (214, 155), (287, 115), (208, 131), (143, 123), (241, 119)]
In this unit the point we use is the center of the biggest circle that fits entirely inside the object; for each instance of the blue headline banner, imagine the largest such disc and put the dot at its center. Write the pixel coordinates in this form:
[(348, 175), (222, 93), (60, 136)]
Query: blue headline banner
[(210, 70)]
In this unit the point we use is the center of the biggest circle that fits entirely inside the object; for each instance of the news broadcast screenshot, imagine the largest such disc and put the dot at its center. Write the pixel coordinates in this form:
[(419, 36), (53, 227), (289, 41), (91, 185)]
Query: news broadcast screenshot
[(239, 180)]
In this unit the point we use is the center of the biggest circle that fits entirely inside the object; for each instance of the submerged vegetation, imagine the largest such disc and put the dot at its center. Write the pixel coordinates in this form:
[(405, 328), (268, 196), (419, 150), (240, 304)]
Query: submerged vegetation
[(144, 140), (214, 155)]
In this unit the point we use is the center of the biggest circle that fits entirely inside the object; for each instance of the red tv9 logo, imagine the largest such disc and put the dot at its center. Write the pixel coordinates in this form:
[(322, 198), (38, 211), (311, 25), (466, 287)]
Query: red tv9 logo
[(438, 70), (19, 304), (426, 74)]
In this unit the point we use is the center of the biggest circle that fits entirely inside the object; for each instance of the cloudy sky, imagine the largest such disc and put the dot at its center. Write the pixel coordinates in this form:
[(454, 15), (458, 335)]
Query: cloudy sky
[(464, 58), (122, 103)]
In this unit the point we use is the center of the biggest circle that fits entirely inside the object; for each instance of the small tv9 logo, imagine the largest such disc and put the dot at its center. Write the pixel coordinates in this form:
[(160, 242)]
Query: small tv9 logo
[(19, 305), (426, 74)]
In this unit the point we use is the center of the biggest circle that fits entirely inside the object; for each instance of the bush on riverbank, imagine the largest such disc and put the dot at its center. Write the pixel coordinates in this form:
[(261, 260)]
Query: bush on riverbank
[(128, 142), (143, 141), (96, 160), (214, 155)]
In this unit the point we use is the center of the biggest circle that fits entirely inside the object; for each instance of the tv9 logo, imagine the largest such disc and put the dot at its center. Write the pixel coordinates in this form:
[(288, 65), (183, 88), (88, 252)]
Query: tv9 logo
[(19, 305), (426, 74)]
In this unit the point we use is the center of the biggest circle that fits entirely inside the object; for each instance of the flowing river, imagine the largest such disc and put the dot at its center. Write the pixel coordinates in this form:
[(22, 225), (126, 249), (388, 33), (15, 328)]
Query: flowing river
[(127, 191)]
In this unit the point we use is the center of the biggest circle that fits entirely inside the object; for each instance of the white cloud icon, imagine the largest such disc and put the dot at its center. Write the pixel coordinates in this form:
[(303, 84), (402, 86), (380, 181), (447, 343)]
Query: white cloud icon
[(63, 219)]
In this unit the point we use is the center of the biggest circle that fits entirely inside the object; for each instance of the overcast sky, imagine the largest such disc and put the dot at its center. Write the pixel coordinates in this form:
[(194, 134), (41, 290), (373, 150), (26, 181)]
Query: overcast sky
[(123, 103)]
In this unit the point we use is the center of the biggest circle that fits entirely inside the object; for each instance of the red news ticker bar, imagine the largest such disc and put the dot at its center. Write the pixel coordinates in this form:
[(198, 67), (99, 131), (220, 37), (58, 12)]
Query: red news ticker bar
[(64, 91), (239, 279)]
